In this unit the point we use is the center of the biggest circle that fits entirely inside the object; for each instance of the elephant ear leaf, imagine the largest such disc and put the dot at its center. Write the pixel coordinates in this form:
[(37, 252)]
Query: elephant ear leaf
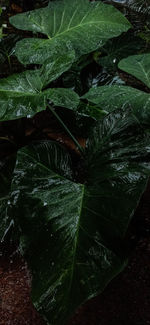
[(78, 242), (70, 254), (22, 94), (138, 66), (77, 25), (117, 172)]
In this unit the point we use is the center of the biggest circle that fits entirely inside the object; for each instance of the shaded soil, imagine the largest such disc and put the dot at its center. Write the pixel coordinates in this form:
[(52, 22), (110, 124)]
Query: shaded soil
[(126, 300), (15, 303)]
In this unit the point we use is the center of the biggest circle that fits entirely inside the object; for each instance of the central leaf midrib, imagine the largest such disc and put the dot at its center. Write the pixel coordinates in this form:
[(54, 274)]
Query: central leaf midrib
[(76, 27), (81, 25), (76, 244)]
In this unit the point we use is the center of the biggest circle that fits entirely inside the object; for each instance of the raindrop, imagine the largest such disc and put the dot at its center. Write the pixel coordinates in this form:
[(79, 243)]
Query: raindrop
[(8, 202), (114, 60)]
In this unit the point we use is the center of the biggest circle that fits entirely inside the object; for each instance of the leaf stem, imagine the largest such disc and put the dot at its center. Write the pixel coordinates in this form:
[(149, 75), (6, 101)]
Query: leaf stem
[(66, 129)]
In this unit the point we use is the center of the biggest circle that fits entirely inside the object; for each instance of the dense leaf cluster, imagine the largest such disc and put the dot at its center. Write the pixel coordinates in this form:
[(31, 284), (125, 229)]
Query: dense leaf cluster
[(72, 232)]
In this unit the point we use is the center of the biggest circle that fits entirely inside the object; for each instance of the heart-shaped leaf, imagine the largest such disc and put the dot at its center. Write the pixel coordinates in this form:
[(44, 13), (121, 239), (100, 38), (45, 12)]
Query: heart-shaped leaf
[(138, 66), (110, 98), (79, 25), (21, 94), (78, 244)]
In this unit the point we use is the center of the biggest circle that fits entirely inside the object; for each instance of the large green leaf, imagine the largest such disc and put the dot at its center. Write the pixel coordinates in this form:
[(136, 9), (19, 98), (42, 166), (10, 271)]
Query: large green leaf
[(22, 95), (78, 242), (138, 66), (110, 98), (117, 151), (79, 25)]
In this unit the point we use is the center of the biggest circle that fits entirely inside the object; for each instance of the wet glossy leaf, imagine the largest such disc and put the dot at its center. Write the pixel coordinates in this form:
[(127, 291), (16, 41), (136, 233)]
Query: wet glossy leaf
[(94, 111), (6, 45), (62, 97), (117, 151), (138, 66), (78, 245), (110, 98), (79, 25), (139, 6), (53, 69), (118, 48), (22, 95)]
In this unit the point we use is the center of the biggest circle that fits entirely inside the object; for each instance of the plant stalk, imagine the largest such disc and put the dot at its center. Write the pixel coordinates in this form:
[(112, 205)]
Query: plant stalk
[(66, 129)]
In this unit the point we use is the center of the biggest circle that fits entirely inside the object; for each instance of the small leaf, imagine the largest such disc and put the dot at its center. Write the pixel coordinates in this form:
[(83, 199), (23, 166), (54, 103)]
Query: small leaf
[(138, 66), (77, 25)]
